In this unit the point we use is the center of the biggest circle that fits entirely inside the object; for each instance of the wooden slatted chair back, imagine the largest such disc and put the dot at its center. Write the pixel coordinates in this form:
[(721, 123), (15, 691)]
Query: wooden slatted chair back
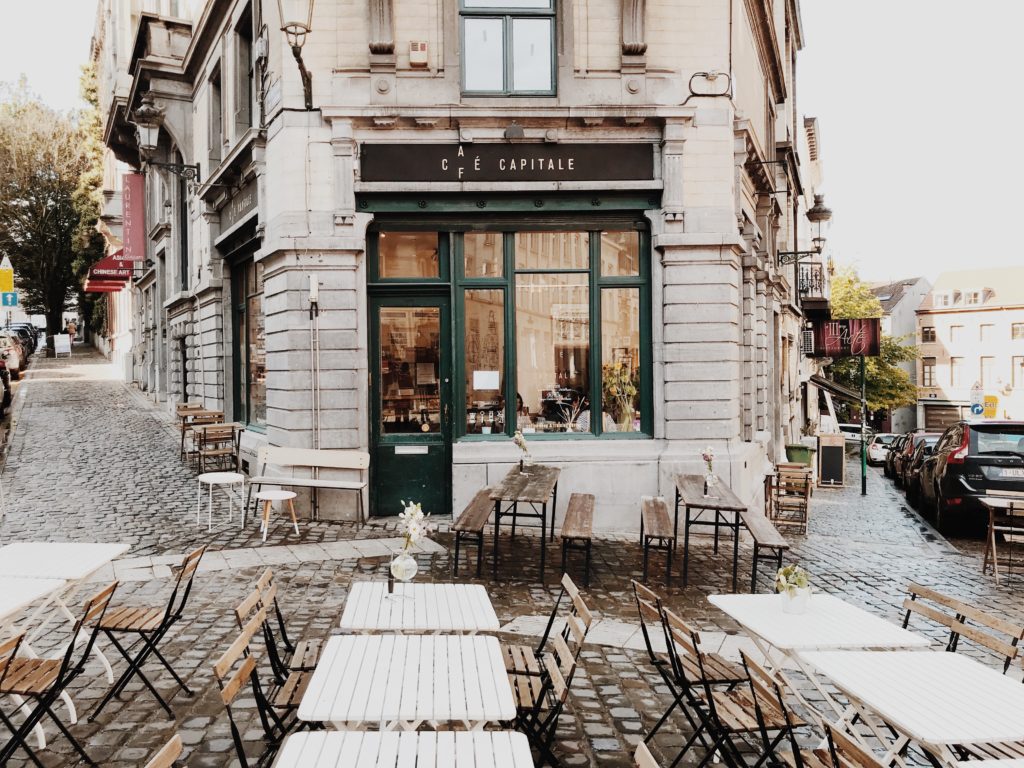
[(681, 639), (643, 757), (768, 696), (648, 606), (268, 599), (170, 752), (183, 584), (8, 650), (847, 753), (182, 409), (984, 628), (92, 615)]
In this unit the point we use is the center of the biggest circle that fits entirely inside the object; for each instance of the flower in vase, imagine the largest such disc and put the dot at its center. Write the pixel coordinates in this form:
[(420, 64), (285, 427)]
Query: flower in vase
[(708, 455), (790, 579)]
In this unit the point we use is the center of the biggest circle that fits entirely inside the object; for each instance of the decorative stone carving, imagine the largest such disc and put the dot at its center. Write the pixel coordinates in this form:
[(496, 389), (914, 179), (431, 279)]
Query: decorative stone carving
[(382, 31), (633, 13)]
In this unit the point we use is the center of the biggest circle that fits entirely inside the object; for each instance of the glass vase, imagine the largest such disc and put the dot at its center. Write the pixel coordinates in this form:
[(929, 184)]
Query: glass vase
[(404, 567)]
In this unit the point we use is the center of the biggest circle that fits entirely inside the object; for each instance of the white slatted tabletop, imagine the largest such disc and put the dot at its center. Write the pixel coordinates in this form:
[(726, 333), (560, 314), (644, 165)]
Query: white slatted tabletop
[(401, 681), (829, 624), (426, 749), (16, 593), (56, 560), (419, 607), (936, 699)]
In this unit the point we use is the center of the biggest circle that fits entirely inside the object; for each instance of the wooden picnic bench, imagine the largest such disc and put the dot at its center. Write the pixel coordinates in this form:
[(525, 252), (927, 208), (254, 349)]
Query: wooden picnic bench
[(766, 536), (578, 529), (314, 460), (471, 523), (656, 531)]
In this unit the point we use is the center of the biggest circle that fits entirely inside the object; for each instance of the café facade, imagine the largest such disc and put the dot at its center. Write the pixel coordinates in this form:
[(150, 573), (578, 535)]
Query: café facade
[(421, 266)]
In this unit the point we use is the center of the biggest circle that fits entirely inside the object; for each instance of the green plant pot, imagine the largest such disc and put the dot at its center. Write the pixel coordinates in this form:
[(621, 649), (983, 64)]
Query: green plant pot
[(799, 454)]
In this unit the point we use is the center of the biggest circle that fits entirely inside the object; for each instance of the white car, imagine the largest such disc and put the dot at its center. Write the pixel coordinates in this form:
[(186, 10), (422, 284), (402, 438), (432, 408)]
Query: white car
[(879, 447), (11, 349), (852, 433)]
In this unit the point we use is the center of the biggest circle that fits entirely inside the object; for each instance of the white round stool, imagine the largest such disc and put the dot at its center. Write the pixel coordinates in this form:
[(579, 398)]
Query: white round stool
[(220, 478), (268, 497)]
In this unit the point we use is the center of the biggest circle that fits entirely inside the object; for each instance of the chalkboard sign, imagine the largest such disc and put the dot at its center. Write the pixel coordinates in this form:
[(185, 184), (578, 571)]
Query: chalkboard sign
[(831, 460)]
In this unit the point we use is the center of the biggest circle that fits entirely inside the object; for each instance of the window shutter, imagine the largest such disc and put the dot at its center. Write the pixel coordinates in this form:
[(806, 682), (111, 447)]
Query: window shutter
[(243, 85)]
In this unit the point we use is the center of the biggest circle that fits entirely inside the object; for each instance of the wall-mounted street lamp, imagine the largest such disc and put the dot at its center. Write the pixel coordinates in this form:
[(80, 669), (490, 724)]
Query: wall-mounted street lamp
[(148, 119), (296, 23), (819, 215)]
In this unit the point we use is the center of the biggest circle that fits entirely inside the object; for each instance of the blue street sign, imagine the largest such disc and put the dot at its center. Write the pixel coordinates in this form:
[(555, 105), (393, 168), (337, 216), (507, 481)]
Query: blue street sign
[(977, 409), (9, 299)]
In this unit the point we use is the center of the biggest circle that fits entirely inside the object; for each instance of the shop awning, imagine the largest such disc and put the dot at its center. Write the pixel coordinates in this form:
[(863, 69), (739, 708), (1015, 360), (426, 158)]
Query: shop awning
[(836, 389), (112, 267), (103, 286)]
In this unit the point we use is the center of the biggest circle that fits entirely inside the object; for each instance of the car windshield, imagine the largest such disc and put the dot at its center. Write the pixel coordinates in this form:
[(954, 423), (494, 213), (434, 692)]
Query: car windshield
[(997, 438), (884, 439)]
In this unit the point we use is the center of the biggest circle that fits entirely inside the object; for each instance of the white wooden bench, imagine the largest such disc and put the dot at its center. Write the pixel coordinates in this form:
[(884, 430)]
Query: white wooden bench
[(287, 460)]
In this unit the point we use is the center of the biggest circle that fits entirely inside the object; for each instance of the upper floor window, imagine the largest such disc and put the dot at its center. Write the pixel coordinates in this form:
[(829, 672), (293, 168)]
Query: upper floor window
[(928, 372), (972, 297), (244, 74), (216, 125), (927, 334), (1017, 331), (508, 47)]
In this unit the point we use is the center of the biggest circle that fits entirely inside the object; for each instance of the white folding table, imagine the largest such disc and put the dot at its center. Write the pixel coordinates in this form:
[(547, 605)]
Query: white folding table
[(935, 699), (829, 624), (388, 749), (402, 681), (418, 607)]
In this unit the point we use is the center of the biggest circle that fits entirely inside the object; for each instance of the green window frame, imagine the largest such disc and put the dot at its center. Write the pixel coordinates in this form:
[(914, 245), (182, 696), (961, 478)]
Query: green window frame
[(506, 31)]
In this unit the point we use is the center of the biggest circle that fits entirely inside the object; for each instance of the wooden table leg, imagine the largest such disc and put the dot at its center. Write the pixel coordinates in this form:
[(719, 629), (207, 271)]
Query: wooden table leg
[(497, 527), (686, 543), (735, 549)]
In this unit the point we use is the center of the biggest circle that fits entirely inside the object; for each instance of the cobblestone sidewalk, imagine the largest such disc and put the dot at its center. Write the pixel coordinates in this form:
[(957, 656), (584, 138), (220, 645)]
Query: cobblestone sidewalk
[(89, 460)]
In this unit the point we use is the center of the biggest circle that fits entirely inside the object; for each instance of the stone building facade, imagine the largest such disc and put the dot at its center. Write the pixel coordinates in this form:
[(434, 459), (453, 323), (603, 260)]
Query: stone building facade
[(561, 217), (900, 300), (970, 331)]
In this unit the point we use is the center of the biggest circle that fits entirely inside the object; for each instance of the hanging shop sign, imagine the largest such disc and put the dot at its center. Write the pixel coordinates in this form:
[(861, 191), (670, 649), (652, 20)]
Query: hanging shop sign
[(506, 162), (112, 267), (847, 338), (133, 215)]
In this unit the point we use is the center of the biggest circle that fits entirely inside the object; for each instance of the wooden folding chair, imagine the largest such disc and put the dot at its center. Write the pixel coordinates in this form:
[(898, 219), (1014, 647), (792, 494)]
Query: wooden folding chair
[(150, 624), (302, 655), (182, 411), (724, 714), (167, 755), (643, 757), (218, 445), (964, 621), (207, 417), (847, 753), (769, 699), (791, 498), (232, 670), (43, 680), (1002, 524)]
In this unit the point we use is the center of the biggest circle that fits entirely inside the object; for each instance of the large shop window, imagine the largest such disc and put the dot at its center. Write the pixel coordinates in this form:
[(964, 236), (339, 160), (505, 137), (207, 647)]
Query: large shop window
[(250, 345), (566, 312), (508, 47)]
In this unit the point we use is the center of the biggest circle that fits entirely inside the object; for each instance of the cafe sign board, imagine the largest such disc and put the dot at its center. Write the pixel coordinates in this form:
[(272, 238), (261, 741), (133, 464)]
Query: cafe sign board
[(847, 338), (505, 162), (241, 204)]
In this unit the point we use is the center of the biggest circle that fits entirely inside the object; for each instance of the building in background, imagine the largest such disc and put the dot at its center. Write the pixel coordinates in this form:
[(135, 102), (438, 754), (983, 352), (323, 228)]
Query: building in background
[(467, 220), (970, 328), (900, 300)]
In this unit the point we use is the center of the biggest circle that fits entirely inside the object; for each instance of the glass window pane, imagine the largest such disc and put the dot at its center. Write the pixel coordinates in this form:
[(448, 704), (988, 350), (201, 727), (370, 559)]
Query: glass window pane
[(507, 4), (620, 254), (483, 45), (484, 254), (552, 250), (257, 356), (408, 254), (553, 352), (531, 54), (620, 359), (410, 339), (484, 312)]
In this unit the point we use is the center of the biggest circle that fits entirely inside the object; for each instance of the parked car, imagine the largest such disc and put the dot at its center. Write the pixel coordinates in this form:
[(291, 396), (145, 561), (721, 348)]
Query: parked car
[(852, 433), (894, 448), (972, 459), (903, 459), (5, 382), (27, 340), (878, 448), (13, 353), (27, 332), (912, 470)]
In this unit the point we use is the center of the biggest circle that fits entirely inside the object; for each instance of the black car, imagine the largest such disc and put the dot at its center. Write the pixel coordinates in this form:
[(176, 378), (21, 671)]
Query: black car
[(912, 468), (972, 459), (894, 448)]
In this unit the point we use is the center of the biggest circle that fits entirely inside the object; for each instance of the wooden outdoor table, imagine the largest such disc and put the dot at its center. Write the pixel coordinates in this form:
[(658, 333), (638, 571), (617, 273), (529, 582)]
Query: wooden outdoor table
[(722, 502), (935, 699), (1006, 517), (403, 681), (535, 485), (418, 607), (426, 749)]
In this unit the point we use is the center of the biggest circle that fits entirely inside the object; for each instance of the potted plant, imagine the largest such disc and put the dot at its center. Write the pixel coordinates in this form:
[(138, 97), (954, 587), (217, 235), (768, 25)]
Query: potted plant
[(619, 389), (794, 585)]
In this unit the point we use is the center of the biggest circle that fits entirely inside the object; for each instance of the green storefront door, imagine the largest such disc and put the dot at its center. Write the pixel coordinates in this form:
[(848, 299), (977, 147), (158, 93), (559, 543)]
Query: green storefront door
[(410, 395)]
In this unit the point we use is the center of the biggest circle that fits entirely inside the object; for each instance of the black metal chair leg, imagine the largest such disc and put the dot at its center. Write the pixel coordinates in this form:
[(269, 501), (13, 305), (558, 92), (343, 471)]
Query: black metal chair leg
[(18, 741), (69, 737), (170, 669)]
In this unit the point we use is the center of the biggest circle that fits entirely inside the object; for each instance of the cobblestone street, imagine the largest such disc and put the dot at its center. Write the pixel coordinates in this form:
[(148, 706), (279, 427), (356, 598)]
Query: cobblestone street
[(91, 460)]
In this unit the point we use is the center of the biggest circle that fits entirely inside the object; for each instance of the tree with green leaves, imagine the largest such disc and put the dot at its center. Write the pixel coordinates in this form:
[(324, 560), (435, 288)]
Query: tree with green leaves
[(887, 386), (43, 156), (88, 201)]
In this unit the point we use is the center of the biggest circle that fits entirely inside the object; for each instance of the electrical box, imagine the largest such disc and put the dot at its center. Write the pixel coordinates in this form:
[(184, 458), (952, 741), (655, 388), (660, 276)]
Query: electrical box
[(418, 53)]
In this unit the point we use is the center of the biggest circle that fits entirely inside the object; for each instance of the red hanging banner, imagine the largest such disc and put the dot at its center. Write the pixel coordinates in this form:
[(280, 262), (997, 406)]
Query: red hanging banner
[(113, 267), (133, 216)]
